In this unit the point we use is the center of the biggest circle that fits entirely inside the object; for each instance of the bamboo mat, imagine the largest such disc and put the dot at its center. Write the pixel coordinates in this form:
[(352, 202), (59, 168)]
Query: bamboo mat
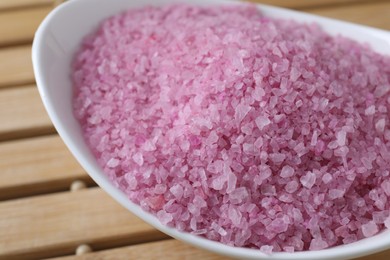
[(41, 216)]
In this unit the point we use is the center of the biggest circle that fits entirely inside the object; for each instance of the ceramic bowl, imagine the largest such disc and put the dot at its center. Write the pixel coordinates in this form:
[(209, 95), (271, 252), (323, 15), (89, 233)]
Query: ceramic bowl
[(55, 43)]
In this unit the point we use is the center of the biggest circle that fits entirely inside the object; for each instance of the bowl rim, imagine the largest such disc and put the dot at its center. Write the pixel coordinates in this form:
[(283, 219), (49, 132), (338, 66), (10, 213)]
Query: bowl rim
[(352, 250)]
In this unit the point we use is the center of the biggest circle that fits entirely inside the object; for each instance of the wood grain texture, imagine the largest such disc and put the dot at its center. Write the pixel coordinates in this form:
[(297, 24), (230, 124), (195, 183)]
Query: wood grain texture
[(385, 255), (19, 26), (371, 14), (54, 225), (161, 250), (10, 4), (170, 250), (16, 66), (37, 165), (22, 113)]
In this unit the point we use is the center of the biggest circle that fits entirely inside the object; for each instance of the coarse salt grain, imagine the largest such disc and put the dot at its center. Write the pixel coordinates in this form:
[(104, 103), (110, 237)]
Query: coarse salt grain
[(387, 222), (308, 179), (247, 130), (380, 125), (369, 229), (287, 171), (370, 110), (318, 244), (262, 122)]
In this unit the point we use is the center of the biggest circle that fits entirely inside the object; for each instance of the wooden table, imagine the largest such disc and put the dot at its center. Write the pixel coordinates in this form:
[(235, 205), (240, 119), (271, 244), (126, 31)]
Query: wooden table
[(41, 216)]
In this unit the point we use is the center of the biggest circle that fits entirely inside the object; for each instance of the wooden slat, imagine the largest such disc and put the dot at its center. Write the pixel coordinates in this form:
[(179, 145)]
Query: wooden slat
[(371, 14), (16, 66), (19, 26), (9, 4), (53, 225), (304, 4), (22, 113), (161, 250), (37, 165), (170, 250), (385, 255)]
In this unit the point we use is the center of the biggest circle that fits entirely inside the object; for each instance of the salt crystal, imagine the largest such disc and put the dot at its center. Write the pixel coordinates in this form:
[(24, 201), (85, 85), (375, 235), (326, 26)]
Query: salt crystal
[(278, 225), (380, 217), (294, 74), (314, 138), (177, 190), (258, 94), (264, 173), (370, 110), (336, 193), (386, 187), (286, 198), (380, 125), (318, 244), (259, 143), (138, 158), (239, 194), (213, 138), (241, 111), (193, 224), (149, 146), (160, 189), (326, 178), (297, 215), (268, 190), (367, 163), (235, 216), (341, 136), (387, 135), (308, 180), (218, 183), (164, 217), (287, 171), (232, 182), (221, 231), (277, 157), (266, 249), (341, 151), (112, 163), (279, 117), (300, 149), (248, 148), (291, 186), (349, 239), (289, 249), (381, 90), (387, 222), (369, 229), (262, 122), (333, 145), (185, 146), (199, 202)]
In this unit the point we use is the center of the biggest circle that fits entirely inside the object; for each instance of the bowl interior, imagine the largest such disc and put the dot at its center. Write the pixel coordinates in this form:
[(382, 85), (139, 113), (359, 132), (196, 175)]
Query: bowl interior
[(54, 46)]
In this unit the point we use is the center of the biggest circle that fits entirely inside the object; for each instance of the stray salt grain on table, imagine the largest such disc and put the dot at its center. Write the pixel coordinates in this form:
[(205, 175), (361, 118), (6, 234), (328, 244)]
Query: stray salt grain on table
[(251, 131)]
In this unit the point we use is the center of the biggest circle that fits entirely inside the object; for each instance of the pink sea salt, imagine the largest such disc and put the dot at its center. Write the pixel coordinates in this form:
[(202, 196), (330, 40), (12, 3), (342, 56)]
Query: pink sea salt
[(255, 132), (287, 171), (369, 229)]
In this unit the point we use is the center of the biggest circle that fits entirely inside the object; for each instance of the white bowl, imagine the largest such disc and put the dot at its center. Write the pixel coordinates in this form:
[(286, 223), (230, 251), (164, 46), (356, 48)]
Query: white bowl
[(54, 46)]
